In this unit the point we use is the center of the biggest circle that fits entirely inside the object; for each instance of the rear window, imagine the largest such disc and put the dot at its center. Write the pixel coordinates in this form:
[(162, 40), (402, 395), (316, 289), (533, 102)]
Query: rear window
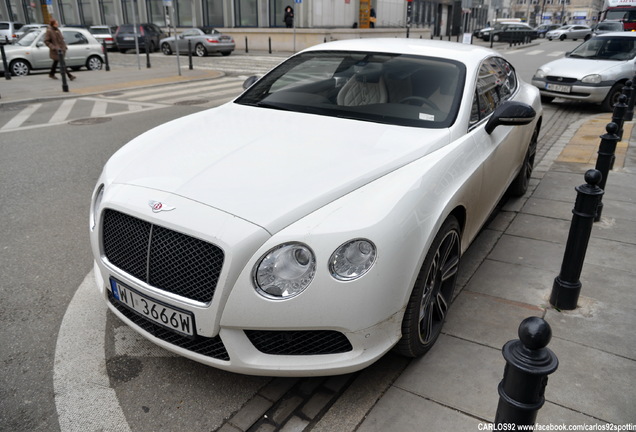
[(4, 26)]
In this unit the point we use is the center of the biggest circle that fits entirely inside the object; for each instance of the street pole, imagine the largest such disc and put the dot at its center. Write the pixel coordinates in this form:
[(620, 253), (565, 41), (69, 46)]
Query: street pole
[(134, 7)]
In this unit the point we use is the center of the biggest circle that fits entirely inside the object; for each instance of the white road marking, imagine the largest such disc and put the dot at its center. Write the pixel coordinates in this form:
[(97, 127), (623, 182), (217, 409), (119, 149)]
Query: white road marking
[(21, 117), (63, 111), (208, 89), (83, 396), (556, 54), (99, 109)]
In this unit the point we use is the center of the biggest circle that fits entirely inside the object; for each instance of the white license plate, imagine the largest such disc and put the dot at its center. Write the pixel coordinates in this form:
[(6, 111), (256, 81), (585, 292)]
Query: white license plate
[(129, 38), (166, 316), (558, 88)]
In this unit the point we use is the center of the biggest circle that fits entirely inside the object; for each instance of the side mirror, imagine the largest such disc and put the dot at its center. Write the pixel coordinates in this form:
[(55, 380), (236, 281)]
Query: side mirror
[(511, 113), (250, 81)]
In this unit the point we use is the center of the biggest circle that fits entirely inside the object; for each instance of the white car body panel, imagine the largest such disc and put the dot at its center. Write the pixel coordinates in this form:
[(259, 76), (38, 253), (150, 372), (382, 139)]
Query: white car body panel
[(268, 177)]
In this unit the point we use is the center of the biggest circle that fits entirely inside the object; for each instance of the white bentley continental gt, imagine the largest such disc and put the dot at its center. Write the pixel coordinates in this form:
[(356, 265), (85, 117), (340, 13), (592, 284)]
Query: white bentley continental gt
[(322, 223)]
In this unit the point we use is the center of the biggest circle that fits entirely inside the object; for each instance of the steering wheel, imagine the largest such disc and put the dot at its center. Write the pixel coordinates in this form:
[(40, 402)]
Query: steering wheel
[(419, 101)]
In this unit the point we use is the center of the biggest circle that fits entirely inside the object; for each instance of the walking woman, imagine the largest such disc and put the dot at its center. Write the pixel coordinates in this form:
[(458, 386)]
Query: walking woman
[(55, 41)]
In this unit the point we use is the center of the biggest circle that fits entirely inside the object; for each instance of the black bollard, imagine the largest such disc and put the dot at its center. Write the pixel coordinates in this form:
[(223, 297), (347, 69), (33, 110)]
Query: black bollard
[(246, 47), (190, 54), (618, 115), (147, 53), (605, 160), (60, 56), (105, 48), (269, 42), (528, 364), (5, 65), (629, 114), (628, 90), (567, 286)]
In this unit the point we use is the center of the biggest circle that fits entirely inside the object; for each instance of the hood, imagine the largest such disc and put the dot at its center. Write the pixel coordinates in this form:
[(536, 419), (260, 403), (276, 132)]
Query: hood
[(579, 68), (267, 166)]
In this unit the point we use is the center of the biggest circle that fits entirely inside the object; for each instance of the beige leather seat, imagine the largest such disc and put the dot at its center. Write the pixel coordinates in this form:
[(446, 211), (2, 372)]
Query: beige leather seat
[(363, 89)]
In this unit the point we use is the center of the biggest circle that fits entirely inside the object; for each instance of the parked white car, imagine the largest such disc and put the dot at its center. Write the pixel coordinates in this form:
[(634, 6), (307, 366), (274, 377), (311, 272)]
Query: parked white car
[(323, 222), (573, 32), (595, 71), (31, 53)]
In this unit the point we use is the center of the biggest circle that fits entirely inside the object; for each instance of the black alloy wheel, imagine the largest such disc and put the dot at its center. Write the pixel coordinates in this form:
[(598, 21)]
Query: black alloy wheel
[(433, 292)]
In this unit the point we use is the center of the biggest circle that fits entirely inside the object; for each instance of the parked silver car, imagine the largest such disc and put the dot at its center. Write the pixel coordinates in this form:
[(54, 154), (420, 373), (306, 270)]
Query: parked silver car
[(595, 71), (31, 53), (203, 40), (574, 32)]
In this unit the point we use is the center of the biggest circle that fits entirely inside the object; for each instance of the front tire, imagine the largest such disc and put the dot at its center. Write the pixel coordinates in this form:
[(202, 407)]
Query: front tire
[(612, 97), (433, 292), (520, 184), (19, 68)]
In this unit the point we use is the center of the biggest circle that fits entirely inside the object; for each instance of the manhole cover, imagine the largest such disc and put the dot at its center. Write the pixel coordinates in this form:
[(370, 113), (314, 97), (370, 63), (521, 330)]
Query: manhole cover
[(192, 102), (90, 121)]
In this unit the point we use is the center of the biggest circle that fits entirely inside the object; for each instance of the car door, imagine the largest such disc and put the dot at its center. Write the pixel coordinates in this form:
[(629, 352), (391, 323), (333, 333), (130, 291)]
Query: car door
[(39, 56), (186, 36), (496, 83), (78, 47)]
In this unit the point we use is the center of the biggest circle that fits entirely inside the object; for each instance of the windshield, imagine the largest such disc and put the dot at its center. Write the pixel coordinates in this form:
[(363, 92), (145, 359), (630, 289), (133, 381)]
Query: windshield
[(605, 48), (28, 38), (100, 30), (621, 15), (385, 88)]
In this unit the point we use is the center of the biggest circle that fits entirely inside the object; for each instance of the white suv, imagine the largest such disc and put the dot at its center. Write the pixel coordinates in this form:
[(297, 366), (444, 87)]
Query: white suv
[(8, 31)]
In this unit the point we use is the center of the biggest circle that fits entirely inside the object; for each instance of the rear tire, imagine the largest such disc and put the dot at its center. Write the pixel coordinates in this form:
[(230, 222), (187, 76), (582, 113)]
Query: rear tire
[(200, 50), (165, 48), (433, 292)]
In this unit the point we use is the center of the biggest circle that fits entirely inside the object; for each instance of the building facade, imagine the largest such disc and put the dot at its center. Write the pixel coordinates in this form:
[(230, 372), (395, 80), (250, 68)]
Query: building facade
[(443, 17)]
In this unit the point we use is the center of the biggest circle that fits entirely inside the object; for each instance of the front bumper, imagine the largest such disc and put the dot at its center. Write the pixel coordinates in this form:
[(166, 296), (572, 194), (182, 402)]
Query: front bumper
[(331, 328), (593, 93)]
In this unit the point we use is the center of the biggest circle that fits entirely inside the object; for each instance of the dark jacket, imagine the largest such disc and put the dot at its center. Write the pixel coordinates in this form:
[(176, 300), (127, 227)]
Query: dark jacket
[(55, 41)]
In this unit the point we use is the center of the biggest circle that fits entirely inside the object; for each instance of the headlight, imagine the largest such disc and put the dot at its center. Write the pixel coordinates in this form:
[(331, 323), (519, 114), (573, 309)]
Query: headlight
[(285, 271), (540, 73), (592, 79), (352, 259), (97, 200)]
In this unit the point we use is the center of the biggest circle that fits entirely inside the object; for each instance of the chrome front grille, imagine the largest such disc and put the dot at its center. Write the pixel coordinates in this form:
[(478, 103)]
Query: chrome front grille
[(165, 259)]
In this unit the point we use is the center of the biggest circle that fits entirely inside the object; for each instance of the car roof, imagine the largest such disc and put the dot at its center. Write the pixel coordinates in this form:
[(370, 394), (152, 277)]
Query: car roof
[(463, 53)]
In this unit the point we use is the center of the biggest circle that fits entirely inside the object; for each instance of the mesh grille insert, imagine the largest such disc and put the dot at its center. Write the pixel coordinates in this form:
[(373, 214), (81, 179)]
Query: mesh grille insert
[(163, 258), (299, 342)]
